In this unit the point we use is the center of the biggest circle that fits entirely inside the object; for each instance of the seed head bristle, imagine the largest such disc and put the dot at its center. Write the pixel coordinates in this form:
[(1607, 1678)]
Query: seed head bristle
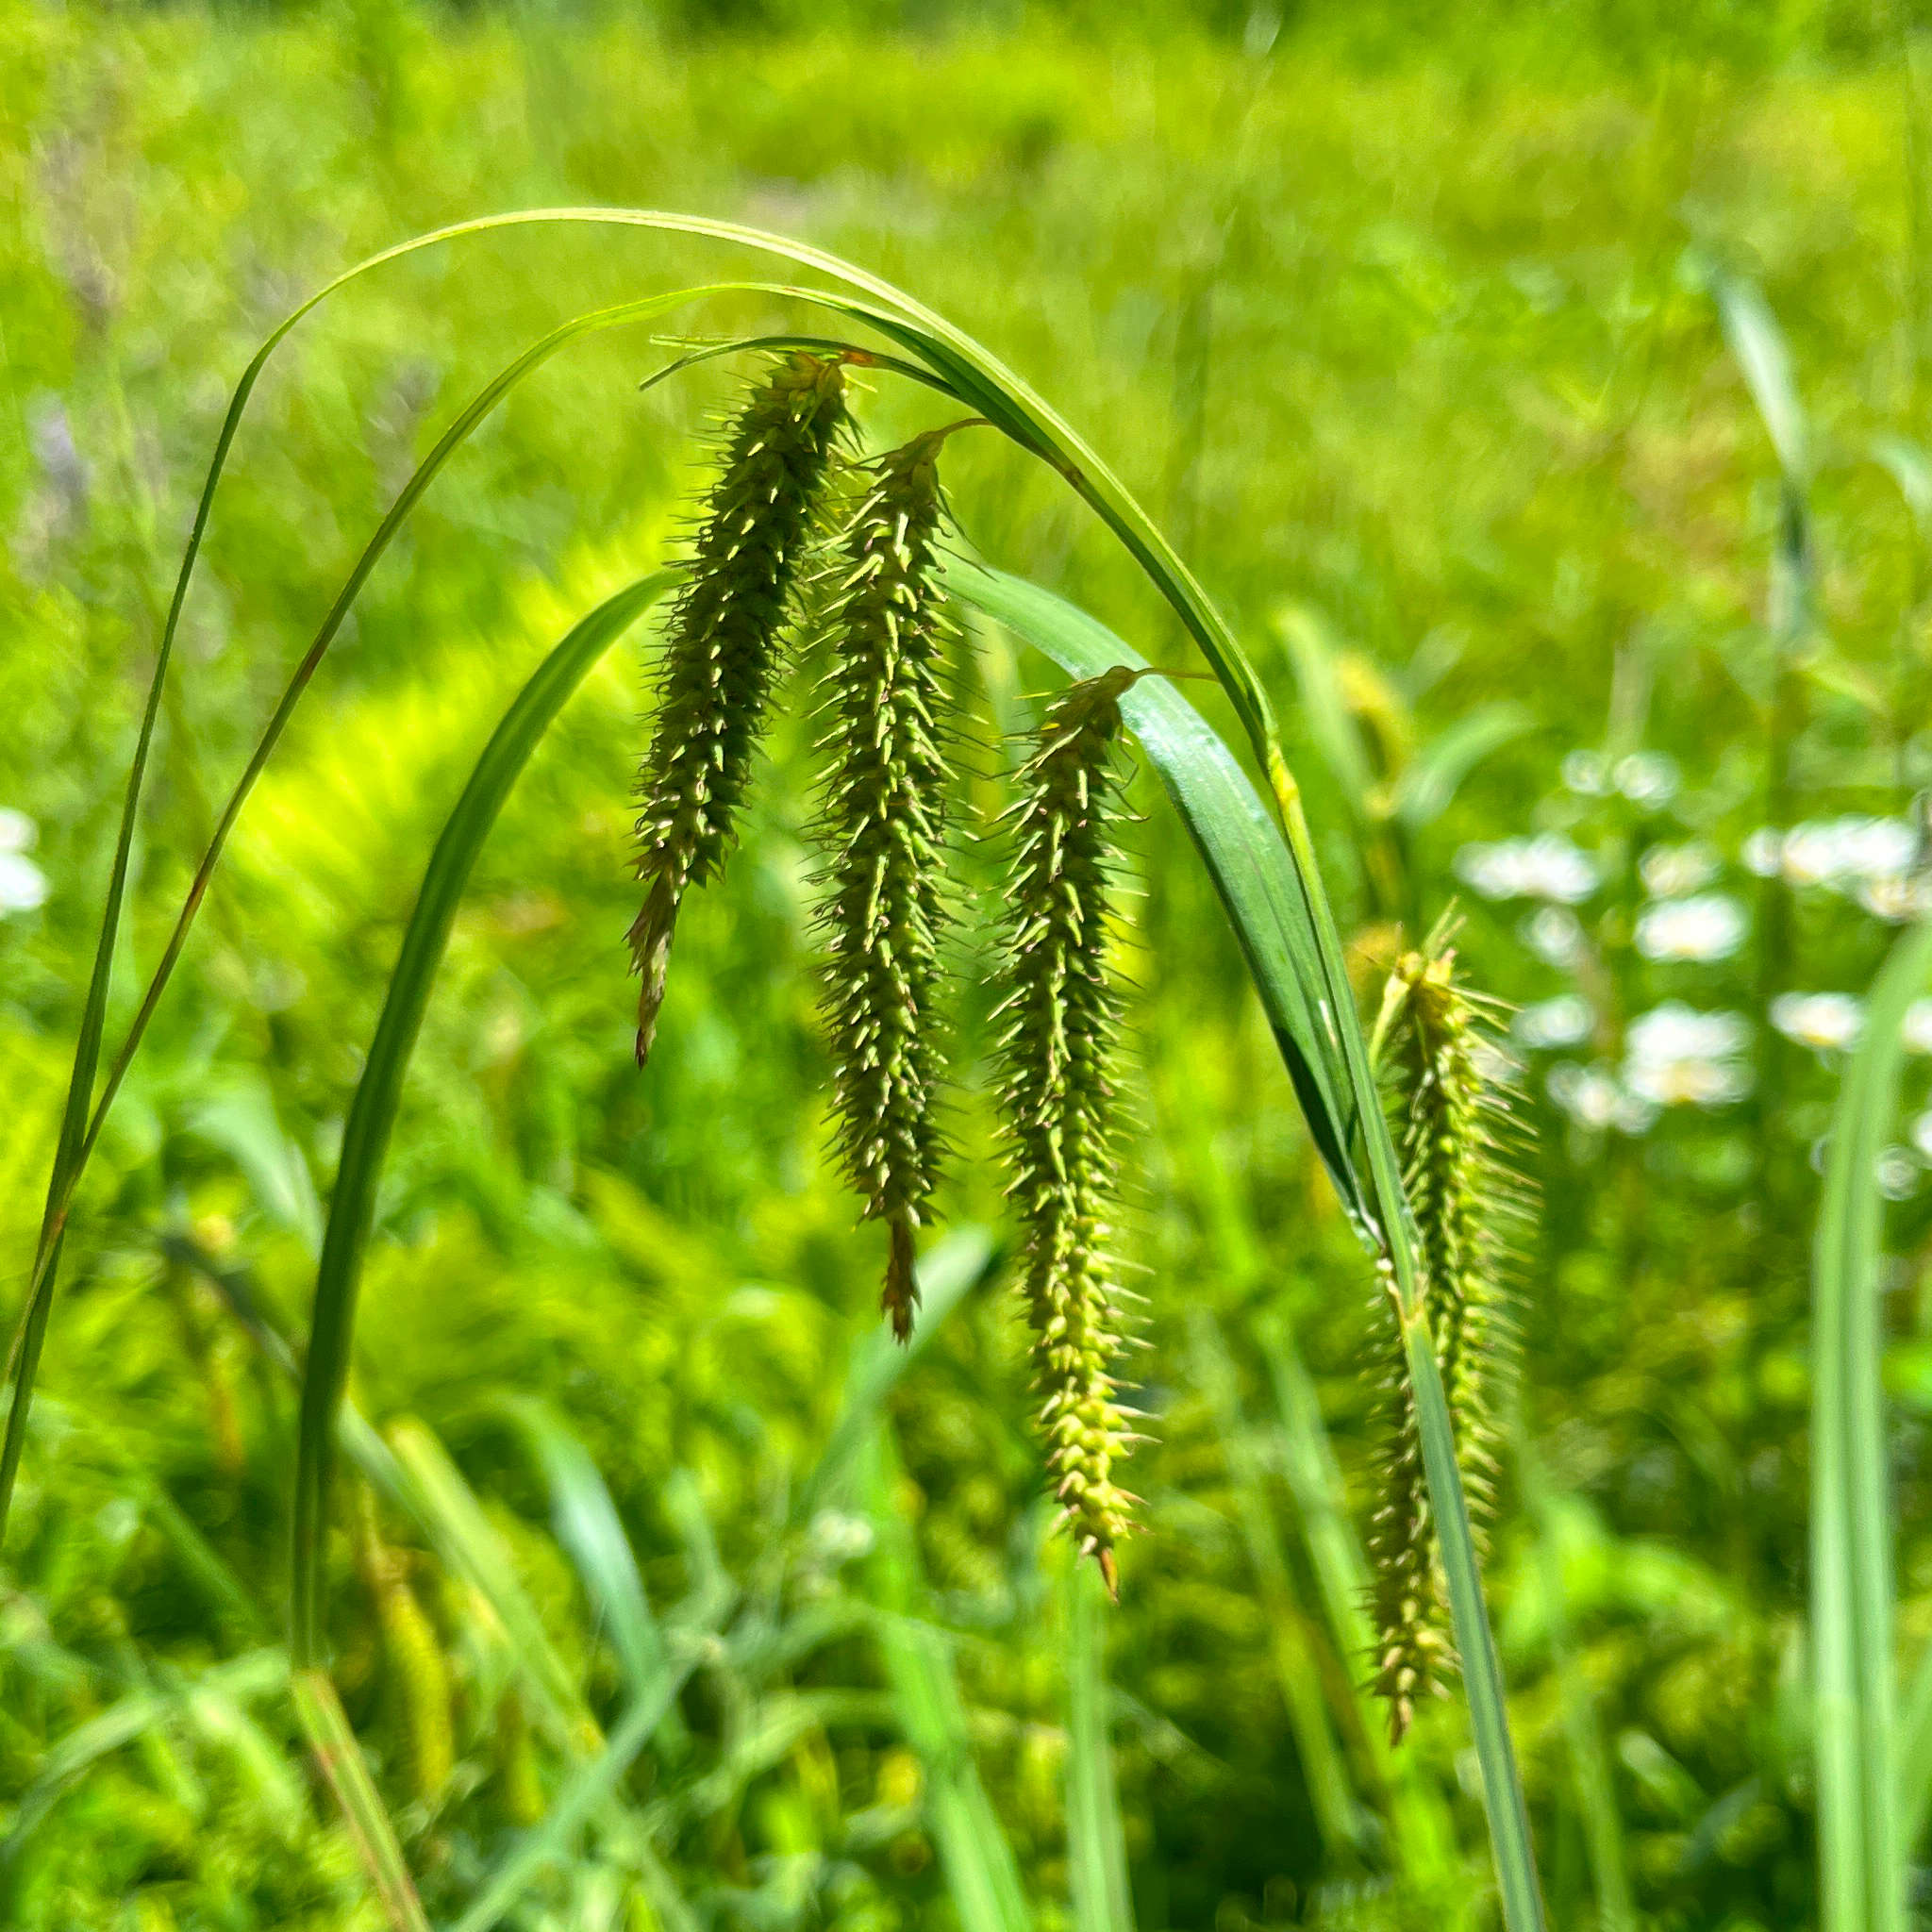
[(724, 646), (1456, 1133), (1061, 1014), (884, 829)]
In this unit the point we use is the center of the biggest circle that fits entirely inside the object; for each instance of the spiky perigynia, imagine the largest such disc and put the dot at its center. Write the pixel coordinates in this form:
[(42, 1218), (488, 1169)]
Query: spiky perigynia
[(1061, 1014), (1454, 1124), (884, 824), (724, 646)]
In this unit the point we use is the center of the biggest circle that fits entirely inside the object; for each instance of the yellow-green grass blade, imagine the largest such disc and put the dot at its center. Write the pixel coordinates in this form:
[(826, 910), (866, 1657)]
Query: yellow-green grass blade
[(982, 1874), (947, 1273), (1096, 1838), (253, 1674), (1434, 775), (371, 1115), (1863, 1871), (1292, 1639), (1424, 1835), (337, 1753), (587, 1525), (1288, 934), (1915, 1756)]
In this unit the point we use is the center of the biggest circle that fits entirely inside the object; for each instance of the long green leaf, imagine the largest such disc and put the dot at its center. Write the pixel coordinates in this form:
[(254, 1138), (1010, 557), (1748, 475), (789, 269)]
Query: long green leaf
[(341, 1759), (1096, 1839), (982, 1874), (365, 1138), (1862, 1867)]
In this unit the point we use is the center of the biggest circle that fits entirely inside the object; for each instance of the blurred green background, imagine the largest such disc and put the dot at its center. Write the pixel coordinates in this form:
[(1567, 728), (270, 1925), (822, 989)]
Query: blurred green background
[(1408, 326)]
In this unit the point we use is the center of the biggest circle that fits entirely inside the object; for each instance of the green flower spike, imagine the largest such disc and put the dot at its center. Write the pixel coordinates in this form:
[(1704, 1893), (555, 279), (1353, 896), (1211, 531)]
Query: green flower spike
[(724, 646)]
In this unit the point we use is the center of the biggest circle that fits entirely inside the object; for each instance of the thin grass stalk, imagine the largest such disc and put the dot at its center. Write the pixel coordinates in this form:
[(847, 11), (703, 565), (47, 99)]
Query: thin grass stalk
[(340, 1759), (1096, 1839), (1862, 1866)]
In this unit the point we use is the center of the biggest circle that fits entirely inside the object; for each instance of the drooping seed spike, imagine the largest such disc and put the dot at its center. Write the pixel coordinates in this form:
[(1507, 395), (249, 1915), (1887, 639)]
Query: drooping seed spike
[(1457, 1135), (724, 646), (884, 826), (1063, 1014)]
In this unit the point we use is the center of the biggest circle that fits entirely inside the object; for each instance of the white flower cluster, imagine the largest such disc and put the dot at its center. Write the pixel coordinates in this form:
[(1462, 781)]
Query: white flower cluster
[(1822, 1020), (1545, 867), (1644, 777), (1876, 861), (1706, 927), (1673, 1055), (23, 884)]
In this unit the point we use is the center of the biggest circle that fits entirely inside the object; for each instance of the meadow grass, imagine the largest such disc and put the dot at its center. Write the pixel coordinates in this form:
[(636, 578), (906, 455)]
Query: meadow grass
[(1436, 356)]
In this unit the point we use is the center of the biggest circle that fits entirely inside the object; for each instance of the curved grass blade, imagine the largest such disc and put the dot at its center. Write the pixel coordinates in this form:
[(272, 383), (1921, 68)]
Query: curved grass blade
[(1096, 1841), (365, 1138), (1425, 789), (80, 1126), (340, 1757), (1287, 935), (587, 1525), (1862, 1865)]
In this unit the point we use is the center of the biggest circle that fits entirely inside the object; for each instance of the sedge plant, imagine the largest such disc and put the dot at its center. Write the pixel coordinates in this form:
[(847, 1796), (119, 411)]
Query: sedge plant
[(800, 538)]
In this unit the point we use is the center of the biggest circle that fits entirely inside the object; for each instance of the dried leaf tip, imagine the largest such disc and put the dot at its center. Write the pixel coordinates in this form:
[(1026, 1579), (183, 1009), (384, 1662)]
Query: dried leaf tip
[(724, 646), (1061, 1014), (883, 828)]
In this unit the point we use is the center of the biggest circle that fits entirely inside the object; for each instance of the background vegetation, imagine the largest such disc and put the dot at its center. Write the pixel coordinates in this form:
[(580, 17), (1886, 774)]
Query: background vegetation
[(1413, 337)]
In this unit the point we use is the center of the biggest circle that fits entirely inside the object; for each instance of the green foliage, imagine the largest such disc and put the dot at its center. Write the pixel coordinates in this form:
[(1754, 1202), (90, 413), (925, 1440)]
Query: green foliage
[(1393, 323)]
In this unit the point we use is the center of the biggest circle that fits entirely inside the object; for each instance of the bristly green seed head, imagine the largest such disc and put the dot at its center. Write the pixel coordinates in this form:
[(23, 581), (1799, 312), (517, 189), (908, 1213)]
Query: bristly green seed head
[(1061, 1015), (884, 827), (724, 646), (1457, 1133)]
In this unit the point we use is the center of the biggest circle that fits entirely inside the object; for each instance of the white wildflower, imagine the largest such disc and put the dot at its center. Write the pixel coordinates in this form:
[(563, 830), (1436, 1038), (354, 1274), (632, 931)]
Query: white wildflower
[(23, 884), (1647, 777), (1818, 1020), (17, 831), (1898, 1174), (1545, 867), (1555, 935), (1764, 851), (1670, 872), (1710, 927), (1594, 1099), (1918, 1026), (1675, 1056), (1922, 1135), (1587, 773), (1840, 852), (1895, 897), (1564, 1020)]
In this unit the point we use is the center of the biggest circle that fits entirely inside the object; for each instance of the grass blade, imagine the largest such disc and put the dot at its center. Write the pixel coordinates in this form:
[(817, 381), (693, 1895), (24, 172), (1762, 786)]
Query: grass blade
[(585, 1523), (981, 1872), (341, 1759), (1862, 1867), (1291, 1640), (365, 1138), (947, 1273), (1096, 1841)]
